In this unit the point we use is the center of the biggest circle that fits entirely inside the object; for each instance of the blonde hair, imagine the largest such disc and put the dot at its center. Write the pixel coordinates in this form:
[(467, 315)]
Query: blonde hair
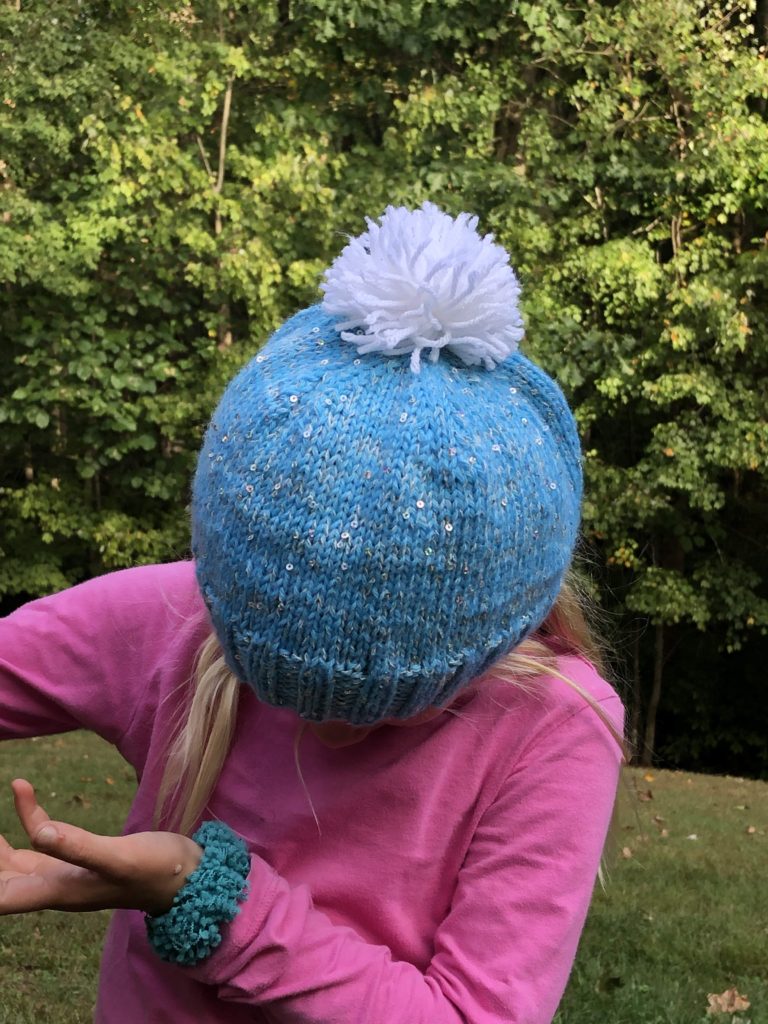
[(204, 733)]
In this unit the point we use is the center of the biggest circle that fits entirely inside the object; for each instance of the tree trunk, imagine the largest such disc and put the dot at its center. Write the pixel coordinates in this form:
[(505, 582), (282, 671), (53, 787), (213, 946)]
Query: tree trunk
[(224, 327), (653, 704), (637, 698), (761, 31)]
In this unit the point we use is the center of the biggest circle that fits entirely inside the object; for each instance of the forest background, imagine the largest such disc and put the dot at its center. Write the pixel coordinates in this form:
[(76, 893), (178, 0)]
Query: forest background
[(175, 177)]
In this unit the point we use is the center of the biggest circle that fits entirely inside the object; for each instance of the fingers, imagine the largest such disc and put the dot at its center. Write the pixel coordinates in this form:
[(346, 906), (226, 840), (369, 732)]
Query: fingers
[(6, 853), (15, 861), (21, 893)]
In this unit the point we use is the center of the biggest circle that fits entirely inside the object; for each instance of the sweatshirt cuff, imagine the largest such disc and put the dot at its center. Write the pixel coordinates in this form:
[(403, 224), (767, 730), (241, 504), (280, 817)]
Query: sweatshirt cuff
[(238, 935)]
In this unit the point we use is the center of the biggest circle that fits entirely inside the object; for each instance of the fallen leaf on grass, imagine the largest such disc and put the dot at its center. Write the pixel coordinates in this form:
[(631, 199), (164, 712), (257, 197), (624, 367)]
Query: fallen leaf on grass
[(626, 853), (645, 795), (649, 777), (658, 821), (729, 1001), (751, 830), (692, 836), (109, 780)]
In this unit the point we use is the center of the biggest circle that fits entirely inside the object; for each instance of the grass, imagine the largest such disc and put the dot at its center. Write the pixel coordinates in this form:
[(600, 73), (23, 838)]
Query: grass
[(49, 961), (681, 917), (685, 912)]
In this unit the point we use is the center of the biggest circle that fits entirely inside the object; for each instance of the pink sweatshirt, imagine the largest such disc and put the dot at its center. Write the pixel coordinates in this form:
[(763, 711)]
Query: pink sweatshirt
[(456, 859)]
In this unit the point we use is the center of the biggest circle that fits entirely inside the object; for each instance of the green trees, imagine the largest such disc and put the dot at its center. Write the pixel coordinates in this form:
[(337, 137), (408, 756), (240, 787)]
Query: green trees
[(659, 301), (173, 179)]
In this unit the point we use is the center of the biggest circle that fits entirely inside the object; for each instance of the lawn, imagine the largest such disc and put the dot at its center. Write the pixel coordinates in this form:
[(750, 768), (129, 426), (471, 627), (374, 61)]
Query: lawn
[(684, 913)]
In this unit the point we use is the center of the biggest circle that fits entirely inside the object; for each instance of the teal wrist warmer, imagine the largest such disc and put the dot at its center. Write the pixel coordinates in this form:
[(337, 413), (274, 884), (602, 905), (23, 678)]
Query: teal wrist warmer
[(190, 930)]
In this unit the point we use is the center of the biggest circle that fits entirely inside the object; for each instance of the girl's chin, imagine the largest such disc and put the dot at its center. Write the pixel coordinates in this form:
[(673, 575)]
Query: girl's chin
[(342, 734), (339, 734)]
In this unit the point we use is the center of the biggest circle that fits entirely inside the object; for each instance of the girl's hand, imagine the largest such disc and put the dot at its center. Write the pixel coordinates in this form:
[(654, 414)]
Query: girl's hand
[(71, 869)]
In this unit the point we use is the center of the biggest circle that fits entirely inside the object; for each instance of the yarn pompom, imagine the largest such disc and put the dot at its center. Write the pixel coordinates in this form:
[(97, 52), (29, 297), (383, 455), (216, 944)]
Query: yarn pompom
[(421, 280)]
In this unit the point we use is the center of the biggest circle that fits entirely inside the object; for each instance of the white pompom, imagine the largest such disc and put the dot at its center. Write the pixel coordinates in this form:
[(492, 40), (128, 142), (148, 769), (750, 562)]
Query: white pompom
[(424, 280)]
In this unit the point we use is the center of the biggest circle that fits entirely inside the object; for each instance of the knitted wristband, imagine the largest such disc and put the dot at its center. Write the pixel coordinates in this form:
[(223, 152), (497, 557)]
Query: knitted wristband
[(190, 930)]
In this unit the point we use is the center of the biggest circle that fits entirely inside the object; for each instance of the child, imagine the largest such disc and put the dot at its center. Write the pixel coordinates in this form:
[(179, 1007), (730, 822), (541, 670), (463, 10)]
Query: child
[(372, 685)]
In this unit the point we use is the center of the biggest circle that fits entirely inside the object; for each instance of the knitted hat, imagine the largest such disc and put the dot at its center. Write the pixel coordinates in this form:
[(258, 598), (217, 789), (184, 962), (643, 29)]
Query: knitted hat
[(371, 531)]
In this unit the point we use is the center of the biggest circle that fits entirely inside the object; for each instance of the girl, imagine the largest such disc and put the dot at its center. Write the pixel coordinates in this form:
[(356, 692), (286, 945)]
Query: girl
[(373, 686)]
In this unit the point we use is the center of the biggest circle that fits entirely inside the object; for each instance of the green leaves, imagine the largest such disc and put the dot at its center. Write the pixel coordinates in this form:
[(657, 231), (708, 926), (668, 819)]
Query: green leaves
[(175, 178)]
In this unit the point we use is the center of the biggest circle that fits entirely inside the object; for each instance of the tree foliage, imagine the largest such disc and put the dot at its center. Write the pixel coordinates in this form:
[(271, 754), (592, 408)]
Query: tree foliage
[(174, 178)]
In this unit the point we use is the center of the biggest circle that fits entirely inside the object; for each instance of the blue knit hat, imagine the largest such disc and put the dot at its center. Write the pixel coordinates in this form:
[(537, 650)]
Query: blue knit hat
[(372, 531)]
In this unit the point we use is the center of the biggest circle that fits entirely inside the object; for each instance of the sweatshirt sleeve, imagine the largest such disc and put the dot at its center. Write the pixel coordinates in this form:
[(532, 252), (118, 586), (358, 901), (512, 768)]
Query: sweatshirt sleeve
[(503, 953), (87, 657)]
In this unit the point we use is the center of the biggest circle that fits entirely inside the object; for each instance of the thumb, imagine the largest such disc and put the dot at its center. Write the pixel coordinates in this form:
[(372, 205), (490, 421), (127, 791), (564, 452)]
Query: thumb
[(47, 836), (78, 846), (57, 838)]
